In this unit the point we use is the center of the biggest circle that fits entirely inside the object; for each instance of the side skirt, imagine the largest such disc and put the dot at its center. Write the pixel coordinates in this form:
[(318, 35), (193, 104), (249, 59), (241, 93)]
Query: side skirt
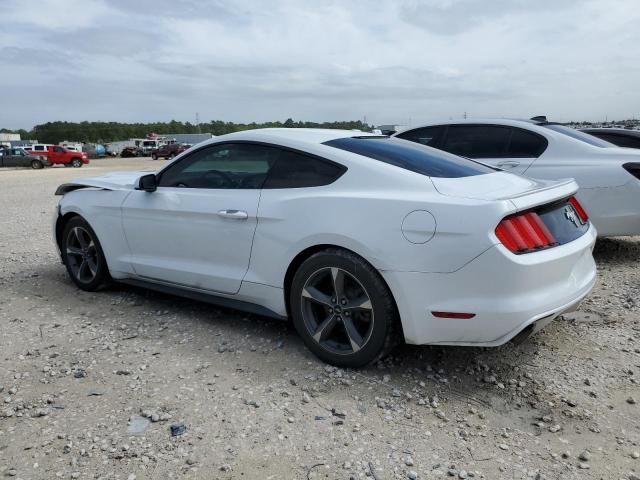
[(204, 297)]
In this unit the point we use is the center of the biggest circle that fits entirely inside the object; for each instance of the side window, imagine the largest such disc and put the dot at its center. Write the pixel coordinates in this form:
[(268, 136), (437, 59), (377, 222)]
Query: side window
[(227, 166), (58, 149), (526, 144), (429, 136), (629, 142), (477, 141), (39, 148), (296, 170), (621, 140)]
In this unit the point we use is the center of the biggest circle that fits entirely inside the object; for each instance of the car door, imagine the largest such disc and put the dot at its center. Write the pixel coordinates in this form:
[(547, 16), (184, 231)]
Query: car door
[(56, 154), (12, 158), (508, 148), (21, 158), (196, 230)]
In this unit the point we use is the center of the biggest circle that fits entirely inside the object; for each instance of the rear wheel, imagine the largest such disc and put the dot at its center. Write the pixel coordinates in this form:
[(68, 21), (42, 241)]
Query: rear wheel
[(83, 256), (154, 156), (342, 308), (76, 163), (37, 164)]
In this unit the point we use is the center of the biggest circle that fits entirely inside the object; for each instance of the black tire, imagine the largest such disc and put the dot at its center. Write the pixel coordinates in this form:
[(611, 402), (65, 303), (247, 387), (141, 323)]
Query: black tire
[(76, 162), (78, 248), (154, 156), (374, 323), (37, 164)]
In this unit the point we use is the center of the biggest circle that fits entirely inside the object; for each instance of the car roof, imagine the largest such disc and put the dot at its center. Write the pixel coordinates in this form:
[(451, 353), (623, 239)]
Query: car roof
[(623, 131), (512, 122), (303, 135)]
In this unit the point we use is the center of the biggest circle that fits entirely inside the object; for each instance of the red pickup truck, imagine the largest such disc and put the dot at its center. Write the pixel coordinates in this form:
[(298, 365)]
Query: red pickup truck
[(60, 155), (68, 158)]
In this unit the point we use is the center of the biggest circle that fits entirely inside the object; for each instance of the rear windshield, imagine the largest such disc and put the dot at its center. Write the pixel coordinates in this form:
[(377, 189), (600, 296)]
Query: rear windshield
[(411, 156), (578, 135)]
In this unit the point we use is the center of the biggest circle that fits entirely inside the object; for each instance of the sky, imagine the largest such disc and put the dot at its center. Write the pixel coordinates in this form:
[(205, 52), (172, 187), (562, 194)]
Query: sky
[(393, 62)]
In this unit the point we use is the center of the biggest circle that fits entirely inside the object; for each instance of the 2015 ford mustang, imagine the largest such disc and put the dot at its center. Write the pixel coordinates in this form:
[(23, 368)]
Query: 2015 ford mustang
[(353, 236)]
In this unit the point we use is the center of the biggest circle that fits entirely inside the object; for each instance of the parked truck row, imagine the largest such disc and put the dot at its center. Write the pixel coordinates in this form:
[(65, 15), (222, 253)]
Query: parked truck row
[(41, 155)]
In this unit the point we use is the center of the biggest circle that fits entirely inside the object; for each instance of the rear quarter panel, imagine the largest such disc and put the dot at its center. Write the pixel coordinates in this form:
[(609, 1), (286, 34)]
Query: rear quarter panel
[(368, 221)]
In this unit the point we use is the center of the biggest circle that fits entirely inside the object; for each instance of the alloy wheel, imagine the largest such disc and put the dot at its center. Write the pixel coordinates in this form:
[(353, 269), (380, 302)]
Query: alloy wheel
[(337, 311), (82, 255)]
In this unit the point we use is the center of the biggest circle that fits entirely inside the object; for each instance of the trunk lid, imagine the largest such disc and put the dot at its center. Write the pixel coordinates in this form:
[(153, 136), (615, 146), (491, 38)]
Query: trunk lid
[(523, 192)]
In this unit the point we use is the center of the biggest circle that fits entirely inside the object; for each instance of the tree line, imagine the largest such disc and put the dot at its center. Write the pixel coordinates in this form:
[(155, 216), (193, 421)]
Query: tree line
[(105, 132)]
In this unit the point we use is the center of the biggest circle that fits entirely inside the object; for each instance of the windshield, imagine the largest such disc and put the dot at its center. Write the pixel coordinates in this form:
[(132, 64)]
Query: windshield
[(578, 135)]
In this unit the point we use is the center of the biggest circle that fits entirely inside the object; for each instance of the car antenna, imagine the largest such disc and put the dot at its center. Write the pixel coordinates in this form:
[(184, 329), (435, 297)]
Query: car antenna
[(539, 118)]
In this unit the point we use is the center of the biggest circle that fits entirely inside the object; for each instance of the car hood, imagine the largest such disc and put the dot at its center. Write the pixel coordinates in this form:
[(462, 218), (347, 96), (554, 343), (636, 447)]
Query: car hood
[(110, 181), (524, 192)]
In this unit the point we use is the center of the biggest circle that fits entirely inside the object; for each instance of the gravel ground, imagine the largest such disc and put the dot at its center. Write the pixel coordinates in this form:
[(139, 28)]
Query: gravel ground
[(91, 383)]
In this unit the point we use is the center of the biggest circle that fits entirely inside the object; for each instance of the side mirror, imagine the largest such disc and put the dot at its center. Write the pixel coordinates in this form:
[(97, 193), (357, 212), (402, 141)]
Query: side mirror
[(148, 183)]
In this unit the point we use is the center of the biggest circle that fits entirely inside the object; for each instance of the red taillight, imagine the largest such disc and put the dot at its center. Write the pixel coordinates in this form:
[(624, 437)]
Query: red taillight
[(579, 210), (524, 232)]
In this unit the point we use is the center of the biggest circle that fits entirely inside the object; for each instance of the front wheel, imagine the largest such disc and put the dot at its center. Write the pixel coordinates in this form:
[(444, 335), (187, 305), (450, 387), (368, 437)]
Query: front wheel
[(83, 256), (76, 163), (154, 156), (342, 308), (37, 164)]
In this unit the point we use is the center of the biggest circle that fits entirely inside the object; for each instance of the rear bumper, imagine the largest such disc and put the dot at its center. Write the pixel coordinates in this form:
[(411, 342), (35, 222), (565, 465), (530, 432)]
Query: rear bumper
[(506, 292), (614, 210)]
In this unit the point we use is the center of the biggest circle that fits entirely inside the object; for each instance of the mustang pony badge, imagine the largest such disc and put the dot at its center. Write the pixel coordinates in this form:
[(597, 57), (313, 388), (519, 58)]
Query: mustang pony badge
[(570, 214)]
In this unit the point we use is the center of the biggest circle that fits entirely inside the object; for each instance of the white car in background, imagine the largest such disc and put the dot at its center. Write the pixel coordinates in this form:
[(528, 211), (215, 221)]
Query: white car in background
[(351, 235), (608, 176)]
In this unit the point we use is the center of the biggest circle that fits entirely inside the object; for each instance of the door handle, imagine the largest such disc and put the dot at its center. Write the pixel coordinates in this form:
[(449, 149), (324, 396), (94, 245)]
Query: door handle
[(237, 214), (508, 164)]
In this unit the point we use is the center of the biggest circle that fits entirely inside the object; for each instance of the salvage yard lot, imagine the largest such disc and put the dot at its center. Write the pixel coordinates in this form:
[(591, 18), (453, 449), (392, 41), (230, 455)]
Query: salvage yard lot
[(78, 366)]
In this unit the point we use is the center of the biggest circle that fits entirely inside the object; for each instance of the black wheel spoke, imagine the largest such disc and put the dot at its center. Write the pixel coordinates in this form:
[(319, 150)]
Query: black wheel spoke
[(325, 328), (71, 250), (79, 234), (82, 270), (315, 295), (337, 276), (362, 303), (355, 339), (93, 265)]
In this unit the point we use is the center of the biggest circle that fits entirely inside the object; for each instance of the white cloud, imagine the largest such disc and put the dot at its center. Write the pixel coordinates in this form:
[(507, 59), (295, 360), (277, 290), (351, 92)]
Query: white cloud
[(390, 61)]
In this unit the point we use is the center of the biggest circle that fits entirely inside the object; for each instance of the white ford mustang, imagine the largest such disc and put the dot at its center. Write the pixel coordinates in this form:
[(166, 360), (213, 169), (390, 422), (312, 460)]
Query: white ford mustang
[(608, 176), (350, 235)]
